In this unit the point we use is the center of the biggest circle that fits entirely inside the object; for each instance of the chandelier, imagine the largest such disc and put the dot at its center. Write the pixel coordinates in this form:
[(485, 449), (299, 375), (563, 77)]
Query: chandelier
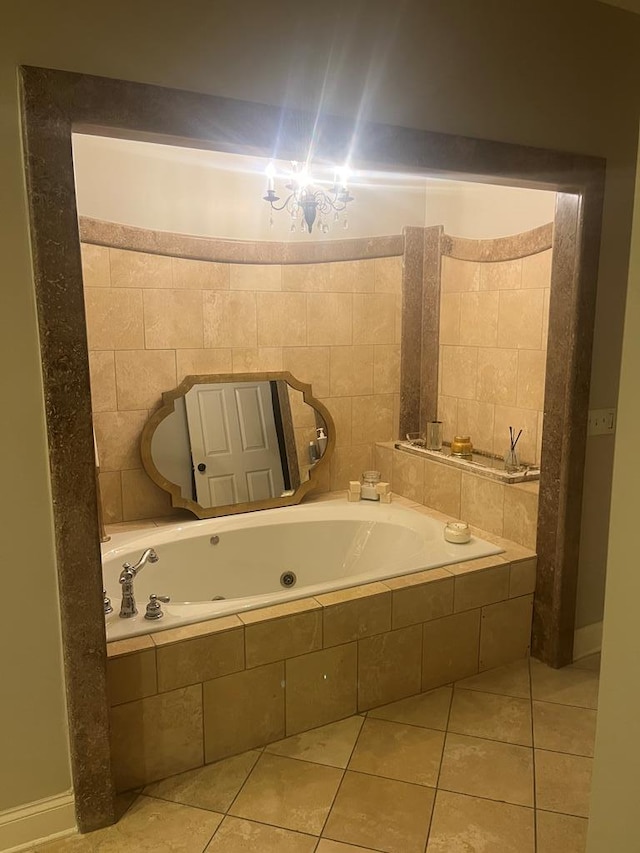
[(308, 202)]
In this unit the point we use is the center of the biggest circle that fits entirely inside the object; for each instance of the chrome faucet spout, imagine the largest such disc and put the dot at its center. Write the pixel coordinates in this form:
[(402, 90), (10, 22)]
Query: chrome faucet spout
[(127, 575)]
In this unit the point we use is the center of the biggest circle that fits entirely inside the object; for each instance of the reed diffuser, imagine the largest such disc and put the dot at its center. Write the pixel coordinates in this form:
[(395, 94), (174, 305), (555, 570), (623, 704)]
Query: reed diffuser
[(511, 461)]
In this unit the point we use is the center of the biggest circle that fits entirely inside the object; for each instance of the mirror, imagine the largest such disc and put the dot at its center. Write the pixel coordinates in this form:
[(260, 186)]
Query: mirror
[(228, 443)]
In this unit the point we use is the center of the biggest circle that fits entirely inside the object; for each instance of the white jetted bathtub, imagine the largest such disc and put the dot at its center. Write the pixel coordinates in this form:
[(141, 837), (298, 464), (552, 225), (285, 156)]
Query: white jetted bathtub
[(220, 566)]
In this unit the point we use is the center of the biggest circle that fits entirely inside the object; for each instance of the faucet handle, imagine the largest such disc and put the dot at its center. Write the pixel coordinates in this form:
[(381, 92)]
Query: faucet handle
[(106, 601), (154, 608)]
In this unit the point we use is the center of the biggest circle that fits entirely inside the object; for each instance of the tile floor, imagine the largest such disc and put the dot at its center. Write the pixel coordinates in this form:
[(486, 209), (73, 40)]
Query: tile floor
[(497, 763)]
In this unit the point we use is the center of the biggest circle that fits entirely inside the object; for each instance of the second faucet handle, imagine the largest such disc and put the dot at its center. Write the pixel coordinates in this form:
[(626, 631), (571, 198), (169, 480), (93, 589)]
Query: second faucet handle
[(154, 607)]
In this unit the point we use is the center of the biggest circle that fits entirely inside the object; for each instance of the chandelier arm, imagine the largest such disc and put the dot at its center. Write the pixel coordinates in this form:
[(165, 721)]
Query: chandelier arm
[(284, 203)]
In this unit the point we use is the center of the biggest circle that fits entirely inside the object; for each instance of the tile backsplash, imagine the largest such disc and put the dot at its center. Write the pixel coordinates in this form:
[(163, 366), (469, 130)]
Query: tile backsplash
[(493, 342), (153, 319)]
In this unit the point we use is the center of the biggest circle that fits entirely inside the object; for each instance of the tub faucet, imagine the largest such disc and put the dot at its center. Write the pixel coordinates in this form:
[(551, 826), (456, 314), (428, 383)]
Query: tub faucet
[(127, 575)]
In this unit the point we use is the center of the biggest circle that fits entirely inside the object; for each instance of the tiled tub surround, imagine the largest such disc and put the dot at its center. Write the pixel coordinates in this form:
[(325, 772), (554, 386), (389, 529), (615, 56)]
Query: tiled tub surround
[(190, 696), (152, 319), (222, 566), (509, 510), (493, 345)]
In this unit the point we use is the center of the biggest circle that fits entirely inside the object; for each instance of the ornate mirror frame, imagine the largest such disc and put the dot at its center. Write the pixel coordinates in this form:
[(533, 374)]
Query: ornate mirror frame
[(168, 407)]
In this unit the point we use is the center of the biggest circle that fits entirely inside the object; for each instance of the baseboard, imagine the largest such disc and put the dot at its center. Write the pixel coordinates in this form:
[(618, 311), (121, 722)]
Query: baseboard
[(587, 640), (38, 822)]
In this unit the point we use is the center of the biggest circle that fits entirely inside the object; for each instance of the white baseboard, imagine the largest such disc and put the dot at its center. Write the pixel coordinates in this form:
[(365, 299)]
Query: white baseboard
[(587, 640), (38, 822)]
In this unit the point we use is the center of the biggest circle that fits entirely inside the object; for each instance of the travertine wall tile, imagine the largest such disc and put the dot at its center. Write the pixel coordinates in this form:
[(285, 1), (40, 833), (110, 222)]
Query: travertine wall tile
[(442, 488), (459, 276), (138, 758), (172, 319), (386, 369), (142, 376), (497, 376), (450, 648), (520, 319), (321, 687), (117, 437), (482, 503), (351, 371), (521, 517), (256, 359), (259, 693), (131, 677), (96, 270), (389, 667), (374, 318), (428, 598), (459, 371), (278, 639), (355, 276), (504, 275), (102, 371), (255, 277), (310, 278), (141, 498), (506, 631), (138, 269), (329, 319), (408, 476), (531, 374), (450, 318), (221, 314), (348, 463), (200, 275), (476, 589), (536, 270), (388, 275), (191, 362), (114, 318), (200, 659), (372, 419), (282, 319), (310, 364), (351, 617), (479, 319), (111, 496), (476, 418)]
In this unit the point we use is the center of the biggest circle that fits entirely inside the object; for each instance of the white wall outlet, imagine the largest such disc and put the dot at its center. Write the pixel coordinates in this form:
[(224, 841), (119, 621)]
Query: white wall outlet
[(601, 422)]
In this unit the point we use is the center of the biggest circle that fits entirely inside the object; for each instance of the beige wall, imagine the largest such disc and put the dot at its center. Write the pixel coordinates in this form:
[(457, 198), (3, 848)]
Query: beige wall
[(614, 800), (482, 211), (554, 73), (152, 320), (493, 347)]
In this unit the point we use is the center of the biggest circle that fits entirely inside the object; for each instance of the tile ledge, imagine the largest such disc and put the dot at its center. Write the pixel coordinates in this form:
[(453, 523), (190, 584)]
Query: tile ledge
[(196, 630), (129, 646)]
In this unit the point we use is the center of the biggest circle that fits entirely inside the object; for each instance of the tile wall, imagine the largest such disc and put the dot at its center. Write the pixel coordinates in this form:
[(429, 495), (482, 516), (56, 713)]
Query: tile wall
[(493, 342), (153, 319), (509, 510)]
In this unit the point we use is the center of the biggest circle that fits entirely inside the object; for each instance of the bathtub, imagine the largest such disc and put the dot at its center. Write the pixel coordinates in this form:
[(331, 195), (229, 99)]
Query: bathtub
[(217, 567)]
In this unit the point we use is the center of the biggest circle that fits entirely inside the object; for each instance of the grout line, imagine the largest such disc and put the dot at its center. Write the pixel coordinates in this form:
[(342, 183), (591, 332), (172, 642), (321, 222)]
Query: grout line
[(533, 763), (344, 773), (444, 746)]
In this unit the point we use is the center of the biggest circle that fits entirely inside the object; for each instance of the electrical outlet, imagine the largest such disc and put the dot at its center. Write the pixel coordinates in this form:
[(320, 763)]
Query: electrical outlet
[(601, 422)]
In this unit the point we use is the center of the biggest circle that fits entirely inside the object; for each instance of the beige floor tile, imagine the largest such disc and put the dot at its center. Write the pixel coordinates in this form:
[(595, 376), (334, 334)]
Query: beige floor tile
[(397, 751), (591, 662), (430, 710), (561, 833), (488, 715), (244, 836), (568, 686), (327, 846), (563, 728), (381, 813), (485, 768), (211, 787), (563, 783), (464, 824), (332, 744), (149, 825), (512, 679), (288, 793)]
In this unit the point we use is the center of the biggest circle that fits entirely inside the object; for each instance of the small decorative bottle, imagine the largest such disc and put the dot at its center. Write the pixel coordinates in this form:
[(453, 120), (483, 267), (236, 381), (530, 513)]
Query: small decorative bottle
[(370, 480)]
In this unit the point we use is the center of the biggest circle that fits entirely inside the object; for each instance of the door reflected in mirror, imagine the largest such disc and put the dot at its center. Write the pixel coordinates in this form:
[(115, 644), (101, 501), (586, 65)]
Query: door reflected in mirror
[(231, 443)]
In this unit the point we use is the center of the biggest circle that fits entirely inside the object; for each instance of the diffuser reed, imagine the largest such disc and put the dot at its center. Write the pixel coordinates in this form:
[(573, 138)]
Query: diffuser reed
[(511, 461)]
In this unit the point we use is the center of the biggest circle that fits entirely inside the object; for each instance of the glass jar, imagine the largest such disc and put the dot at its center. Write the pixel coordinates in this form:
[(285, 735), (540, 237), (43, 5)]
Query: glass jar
[(370, 480)]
